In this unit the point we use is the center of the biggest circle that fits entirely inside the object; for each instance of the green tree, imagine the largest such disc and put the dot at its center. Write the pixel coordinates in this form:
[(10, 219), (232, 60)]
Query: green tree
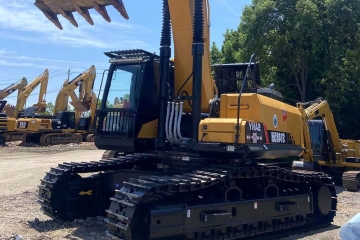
[(308, 48), (126, 96), (215, 54), (49, 109), (108, 104), (230, 49)]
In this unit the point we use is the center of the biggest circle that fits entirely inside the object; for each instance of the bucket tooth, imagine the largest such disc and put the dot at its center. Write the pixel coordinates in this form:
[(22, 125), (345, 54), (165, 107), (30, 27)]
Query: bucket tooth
[(85, 14), (69, 16), (119, 5), (102, 11), (54, 19), (48, 13)]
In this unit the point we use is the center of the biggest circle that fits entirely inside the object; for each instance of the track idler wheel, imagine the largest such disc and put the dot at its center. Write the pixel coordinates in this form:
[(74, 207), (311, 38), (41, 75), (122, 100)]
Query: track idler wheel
[(8, 137), (90, 138), (325, 203), (351, 181)]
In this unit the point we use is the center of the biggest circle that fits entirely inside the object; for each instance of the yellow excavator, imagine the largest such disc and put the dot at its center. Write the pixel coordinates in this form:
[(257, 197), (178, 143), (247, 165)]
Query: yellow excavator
[(6, 123), (19, 111), (337, 157), (188, 157), (19, 86), (85, 105), (64, 126)]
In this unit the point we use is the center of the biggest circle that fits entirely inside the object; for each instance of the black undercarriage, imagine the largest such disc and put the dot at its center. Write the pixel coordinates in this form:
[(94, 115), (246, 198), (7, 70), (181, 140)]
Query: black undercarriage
[(223, 201)]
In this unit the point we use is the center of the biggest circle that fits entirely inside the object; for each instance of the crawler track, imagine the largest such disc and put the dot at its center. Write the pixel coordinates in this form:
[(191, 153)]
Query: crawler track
[(171, 203), (46, 139), (140, 209), (351, 180), (64, 195), (12, 136)]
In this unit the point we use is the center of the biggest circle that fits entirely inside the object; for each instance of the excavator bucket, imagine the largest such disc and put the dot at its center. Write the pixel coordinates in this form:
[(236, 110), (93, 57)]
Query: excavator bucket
[(52, 8)]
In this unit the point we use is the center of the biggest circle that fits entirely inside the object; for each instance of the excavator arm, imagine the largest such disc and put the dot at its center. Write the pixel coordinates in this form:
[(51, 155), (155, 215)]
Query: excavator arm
[(68, 90), (181, 15), (42, 80), (321, 108), (20, 86)]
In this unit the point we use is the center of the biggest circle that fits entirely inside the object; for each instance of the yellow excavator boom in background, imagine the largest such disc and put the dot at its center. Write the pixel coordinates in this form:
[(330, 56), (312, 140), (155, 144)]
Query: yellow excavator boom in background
[(41, 80), (337, 157), (14, 112), (19, 86), (9, 109), (85, 102)]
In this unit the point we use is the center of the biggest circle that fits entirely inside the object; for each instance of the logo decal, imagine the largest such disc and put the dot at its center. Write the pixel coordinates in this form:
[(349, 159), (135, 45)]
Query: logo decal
[(278, 137), (254, 132), (275, 121), (255, 126), (284, 115)]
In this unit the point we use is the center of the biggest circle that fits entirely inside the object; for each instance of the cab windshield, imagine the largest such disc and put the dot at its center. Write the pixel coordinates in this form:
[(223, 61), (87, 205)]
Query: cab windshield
[(122, 88)]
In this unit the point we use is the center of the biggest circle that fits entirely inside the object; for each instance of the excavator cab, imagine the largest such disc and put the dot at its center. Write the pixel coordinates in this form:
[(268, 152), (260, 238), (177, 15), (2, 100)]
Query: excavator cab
[(229, 79), (320, 142), (2, 106), (64, 120), (130, 126)]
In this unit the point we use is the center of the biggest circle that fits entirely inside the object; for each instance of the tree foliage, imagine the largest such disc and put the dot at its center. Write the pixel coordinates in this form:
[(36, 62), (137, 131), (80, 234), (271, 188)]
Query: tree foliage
[(308, 48), (50, 107)]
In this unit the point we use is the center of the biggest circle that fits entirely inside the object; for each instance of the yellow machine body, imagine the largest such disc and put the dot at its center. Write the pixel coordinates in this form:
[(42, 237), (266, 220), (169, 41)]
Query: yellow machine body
[(275, 116)]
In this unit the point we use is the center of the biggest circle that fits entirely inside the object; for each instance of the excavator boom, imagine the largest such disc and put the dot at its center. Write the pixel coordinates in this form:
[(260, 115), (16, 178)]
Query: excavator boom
[(52, 8), (12, 88), (42, 80), (80, 103)]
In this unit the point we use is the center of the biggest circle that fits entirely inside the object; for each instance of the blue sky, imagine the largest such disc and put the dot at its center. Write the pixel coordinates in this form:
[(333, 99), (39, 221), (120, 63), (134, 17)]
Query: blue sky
[(30, 43)]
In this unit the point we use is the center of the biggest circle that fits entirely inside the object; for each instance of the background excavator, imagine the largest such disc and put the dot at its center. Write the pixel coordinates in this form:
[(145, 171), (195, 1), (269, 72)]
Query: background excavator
[(85, 106), (64, 126), (19, 111), (186, 160), (20, 87), (337, 157), (3, 118)]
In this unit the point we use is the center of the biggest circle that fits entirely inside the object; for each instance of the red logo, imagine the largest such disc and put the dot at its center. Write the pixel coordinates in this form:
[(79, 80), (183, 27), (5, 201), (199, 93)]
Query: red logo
[(284, 115)]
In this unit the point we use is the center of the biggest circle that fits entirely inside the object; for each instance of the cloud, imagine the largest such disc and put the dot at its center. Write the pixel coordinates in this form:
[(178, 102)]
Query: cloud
[(28, 64), (4, 51), (35, 58), (26, 61), (39, 29)]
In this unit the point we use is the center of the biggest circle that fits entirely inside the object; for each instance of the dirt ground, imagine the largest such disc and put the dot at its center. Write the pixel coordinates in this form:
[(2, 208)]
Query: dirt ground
[(21, 169)]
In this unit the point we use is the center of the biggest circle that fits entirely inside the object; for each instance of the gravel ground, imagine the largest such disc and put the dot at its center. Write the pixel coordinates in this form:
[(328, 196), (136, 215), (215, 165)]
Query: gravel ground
[(18, 146), (21, 167)]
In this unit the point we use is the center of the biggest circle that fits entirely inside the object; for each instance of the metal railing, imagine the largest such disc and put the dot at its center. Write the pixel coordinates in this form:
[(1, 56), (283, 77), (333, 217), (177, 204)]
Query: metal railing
[(115, 122)]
